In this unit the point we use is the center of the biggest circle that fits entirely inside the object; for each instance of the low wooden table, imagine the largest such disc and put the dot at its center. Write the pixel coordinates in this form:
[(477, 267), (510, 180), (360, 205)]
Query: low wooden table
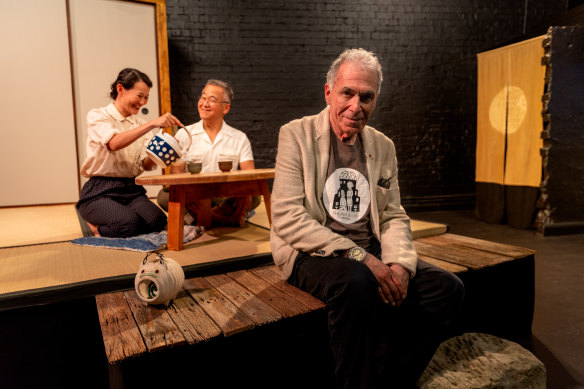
[(205, 186)]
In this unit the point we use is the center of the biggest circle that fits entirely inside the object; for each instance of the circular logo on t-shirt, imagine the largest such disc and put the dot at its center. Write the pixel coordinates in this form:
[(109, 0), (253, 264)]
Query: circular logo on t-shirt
[(346, 195)]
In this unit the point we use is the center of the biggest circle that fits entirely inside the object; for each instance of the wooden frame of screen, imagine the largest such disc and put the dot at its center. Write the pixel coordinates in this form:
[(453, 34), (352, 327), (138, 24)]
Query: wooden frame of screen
[(162, 51)]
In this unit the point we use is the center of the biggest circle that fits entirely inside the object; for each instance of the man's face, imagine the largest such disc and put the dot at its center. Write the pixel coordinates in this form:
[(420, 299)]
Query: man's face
[(212, 105), (352, 99)]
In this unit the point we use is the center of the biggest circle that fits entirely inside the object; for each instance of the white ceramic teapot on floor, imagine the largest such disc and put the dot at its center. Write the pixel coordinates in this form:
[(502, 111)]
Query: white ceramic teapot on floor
[(165, 150)]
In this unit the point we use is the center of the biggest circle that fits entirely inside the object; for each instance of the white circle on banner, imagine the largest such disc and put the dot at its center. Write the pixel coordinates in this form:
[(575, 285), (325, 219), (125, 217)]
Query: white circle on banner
[(346, 195)]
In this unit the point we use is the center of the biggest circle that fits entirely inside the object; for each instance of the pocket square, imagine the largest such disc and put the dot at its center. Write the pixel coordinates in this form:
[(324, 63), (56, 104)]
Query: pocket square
[(384, 183)]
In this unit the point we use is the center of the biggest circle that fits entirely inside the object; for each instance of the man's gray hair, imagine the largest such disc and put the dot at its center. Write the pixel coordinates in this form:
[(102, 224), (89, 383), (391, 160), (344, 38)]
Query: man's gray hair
[(227, 90), (366, 58)]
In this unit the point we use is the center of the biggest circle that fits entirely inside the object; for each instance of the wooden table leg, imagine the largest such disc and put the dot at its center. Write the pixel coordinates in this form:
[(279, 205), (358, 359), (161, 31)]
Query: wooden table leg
[(176, 217), (265, 190), (204, 217)]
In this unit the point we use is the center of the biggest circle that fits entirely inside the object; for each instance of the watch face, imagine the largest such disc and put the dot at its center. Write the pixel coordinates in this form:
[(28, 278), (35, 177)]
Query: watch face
[(358, 254)]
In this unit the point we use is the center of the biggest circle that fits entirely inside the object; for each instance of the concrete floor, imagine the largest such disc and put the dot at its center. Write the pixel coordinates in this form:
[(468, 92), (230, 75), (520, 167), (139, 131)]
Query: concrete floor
[(558, 325)]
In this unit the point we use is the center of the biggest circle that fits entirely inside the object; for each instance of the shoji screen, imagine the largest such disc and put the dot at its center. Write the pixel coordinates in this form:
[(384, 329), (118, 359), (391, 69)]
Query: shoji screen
[(38, 156)]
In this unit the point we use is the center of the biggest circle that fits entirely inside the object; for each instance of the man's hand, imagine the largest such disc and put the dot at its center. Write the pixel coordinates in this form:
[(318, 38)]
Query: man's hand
[(393, 280)]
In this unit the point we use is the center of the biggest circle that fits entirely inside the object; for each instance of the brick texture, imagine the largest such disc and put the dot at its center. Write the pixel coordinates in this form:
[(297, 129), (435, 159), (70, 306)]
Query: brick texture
[(276, 54)]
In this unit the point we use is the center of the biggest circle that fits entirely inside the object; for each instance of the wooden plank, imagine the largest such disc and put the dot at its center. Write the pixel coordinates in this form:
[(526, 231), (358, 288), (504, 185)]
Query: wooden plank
[(222, 189), (223, 312), (280, 301), (464, 256), (480, 244), (451, 267), (191, 320), (272, 275), (206, 178), (256, 309), (121, 336), (156, 326), (422, 229)]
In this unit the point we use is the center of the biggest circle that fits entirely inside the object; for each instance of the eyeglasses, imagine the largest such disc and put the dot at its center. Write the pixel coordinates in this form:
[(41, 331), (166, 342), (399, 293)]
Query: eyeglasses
[(211, 100)]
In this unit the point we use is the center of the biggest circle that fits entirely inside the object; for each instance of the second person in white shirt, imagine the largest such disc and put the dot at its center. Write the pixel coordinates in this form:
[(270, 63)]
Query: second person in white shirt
[(212, 140)]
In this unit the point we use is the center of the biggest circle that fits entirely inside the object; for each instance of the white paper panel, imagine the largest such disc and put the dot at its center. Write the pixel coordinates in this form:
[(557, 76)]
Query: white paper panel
[(38, 156)]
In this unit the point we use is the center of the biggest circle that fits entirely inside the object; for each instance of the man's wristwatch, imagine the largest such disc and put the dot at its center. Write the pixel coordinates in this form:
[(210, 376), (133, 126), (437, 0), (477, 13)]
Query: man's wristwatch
[(357, 253)]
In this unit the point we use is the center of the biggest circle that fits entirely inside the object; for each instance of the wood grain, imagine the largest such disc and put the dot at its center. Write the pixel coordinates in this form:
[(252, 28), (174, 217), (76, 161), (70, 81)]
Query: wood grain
[(480, 244), (121, 336), (254, 308), (451, 267), (192, 320), (280, 301), (157, 328), (272, 275), (207, 178), (223, 312), (463, 256)]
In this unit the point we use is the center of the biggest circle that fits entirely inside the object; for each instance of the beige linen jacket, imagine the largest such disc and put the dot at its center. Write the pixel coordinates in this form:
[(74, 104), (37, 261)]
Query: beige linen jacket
[(298, 213)]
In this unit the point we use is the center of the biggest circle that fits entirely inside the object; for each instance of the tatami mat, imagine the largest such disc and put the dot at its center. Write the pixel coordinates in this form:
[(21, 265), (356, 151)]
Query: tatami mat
[(22, 226), (420, 229), (26, 264), (50, 265)]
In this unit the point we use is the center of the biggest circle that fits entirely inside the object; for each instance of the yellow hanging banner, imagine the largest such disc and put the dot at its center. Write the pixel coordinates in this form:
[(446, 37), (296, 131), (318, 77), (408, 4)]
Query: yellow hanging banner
[(510, 86)]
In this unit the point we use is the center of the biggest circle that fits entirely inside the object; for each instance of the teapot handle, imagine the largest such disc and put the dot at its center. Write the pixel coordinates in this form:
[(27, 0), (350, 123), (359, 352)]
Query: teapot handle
[(190, 137)]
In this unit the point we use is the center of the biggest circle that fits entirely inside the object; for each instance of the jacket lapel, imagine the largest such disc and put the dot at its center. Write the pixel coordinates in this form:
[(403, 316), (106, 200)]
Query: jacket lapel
[(369, 150), (323, 142)]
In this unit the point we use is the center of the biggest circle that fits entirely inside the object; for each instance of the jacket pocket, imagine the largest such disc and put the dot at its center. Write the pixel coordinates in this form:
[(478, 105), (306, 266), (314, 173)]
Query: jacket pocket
[(382, 197)]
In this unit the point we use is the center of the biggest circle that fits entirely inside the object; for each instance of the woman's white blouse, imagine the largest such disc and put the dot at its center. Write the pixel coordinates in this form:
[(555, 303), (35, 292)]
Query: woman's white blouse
[(102, 124)]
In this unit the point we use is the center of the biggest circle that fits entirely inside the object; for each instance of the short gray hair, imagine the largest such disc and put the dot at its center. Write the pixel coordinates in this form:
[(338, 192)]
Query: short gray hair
[(227, 90), (366, 58)]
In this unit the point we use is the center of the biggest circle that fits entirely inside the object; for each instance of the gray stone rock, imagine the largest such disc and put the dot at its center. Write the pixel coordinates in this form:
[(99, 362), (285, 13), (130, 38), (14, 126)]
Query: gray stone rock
[(481, 361)]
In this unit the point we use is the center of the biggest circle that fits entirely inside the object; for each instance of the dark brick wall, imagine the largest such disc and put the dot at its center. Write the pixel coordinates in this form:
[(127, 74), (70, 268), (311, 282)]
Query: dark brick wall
[(276, 54)]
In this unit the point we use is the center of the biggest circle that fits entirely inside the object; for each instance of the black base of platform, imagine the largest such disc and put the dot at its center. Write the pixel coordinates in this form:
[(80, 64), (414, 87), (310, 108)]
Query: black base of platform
[(562, 228), (500, 300)]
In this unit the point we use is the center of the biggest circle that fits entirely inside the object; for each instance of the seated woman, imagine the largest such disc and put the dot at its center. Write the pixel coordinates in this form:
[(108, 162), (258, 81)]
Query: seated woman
[(111, 203)]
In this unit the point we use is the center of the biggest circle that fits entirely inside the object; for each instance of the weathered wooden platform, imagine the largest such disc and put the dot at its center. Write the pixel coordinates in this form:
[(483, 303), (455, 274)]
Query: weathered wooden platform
[(209, 307), (499, 300)]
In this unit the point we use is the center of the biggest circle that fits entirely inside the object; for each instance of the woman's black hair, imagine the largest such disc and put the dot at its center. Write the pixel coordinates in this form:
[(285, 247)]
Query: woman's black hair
[(127, 78)]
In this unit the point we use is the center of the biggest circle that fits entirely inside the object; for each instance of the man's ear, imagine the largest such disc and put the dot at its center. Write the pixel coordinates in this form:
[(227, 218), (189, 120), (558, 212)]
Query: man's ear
[(327, 93), (226, 108)]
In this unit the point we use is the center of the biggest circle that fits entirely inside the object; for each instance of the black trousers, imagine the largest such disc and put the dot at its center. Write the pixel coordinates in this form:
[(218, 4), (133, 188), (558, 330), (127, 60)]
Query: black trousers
[(374, 344), (119, 207)]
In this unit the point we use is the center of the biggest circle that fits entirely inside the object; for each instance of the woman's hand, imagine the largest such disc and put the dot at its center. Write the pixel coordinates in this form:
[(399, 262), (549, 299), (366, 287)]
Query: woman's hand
[(166, 120), (124, 139)]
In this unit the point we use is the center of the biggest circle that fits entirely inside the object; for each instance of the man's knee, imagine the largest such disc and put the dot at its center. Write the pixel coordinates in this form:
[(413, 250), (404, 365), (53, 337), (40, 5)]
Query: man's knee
[(454, 287), (452, 295), (162, 199)]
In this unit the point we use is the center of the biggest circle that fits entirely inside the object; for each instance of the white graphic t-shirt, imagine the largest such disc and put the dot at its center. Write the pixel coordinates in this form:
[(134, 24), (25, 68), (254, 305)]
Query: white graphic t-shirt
[(346, 195)]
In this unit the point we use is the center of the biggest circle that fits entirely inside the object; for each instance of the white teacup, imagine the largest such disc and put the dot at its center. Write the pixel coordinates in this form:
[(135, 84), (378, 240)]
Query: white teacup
[(165, 150)]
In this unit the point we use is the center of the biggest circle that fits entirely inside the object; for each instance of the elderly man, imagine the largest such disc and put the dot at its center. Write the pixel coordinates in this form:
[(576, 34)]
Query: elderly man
[(340, 233), (214, 140)]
